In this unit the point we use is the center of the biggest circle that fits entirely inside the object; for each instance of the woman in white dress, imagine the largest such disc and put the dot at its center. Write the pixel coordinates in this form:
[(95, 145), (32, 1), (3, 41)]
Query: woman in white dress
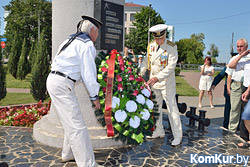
[(207, 72)]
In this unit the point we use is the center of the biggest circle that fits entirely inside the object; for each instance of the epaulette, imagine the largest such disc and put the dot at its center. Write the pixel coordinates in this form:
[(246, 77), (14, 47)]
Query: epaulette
[(170, 43)]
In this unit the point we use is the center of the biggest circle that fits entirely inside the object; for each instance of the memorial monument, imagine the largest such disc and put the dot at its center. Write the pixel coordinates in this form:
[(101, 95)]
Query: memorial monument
[(65, 16)]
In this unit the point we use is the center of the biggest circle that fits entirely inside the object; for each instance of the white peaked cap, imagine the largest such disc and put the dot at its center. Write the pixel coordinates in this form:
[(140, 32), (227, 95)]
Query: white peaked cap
[(158, 28)]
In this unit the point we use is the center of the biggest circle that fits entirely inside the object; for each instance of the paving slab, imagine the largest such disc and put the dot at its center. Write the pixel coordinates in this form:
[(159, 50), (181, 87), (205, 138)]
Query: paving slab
[(18, 149)]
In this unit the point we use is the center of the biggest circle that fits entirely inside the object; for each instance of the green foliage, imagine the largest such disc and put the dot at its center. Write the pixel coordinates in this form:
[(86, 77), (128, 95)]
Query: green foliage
[(40, 71), (137, 39), (190, 50), (32, 55), (213, 51), (24, 17), (14, 56), (2, 78), (213, 59), (23, 64), (177, 71)]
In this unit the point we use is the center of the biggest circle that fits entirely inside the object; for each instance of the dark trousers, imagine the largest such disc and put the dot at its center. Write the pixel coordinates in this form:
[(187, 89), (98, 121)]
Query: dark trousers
[(227, 109), (243, 131)]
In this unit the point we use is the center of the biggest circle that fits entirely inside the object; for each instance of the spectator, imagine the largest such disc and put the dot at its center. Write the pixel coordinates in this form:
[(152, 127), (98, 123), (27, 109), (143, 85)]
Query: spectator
[(129, 55), (236, 88), (207, 72), (227, 106)]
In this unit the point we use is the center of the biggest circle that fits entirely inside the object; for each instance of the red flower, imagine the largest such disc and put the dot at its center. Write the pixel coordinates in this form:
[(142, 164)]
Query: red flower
[(119, 58), (104, 89), (120, 87), (135, 93), (129, 70), (114, 52), (139, 79), (122, 67), (142, 87), (131, 78), (104, 69), (129, 63), (105, 79), (119, 78)]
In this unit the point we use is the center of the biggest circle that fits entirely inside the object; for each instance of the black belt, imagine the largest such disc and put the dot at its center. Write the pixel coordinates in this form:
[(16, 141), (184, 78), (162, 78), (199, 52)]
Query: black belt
[(63, 75)]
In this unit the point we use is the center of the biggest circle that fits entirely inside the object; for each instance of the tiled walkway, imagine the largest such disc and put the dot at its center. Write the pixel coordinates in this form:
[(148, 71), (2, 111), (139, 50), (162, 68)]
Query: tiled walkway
[(18, 149)]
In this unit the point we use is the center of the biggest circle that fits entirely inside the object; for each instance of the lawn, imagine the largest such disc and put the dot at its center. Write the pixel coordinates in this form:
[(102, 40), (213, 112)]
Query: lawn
[(11, 82), (17, 98), (184, 89)]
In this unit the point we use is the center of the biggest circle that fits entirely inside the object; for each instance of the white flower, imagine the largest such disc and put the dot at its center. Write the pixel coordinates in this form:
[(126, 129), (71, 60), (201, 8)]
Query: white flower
[(150, 104), (140, 99), (115, 101), (131, 106), (135, 123), (145, 114), (146, 92), (120, 115)]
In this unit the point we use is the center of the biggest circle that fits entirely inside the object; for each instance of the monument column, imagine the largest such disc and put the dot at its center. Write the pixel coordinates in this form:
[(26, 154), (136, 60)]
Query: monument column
[(65, 16)]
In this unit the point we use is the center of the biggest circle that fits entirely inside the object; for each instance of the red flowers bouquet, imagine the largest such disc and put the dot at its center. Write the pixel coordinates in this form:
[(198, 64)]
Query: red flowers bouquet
[(125, 99)]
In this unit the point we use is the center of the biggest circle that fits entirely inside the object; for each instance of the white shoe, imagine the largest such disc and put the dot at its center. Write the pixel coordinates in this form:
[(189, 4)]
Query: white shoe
[(212, 106), (67, 160), (157, 134), (176, 141)]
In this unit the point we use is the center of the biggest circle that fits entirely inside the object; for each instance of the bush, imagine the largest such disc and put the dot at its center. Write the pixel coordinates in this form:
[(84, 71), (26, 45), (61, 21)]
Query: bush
[(177, 71), (23, 64), (3, 90), (40, 71)]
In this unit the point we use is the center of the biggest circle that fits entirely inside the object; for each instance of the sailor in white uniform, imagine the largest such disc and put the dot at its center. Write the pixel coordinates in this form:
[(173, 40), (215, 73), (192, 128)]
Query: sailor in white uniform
[(75, 61), (161, 61)]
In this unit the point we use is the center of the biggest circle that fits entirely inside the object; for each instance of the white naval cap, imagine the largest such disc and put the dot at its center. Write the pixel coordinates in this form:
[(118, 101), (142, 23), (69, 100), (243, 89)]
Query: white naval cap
[(158, 30)]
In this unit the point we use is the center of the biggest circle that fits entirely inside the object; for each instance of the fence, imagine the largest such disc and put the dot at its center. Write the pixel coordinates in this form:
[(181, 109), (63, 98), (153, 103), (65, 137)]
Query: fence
[(217, 67)]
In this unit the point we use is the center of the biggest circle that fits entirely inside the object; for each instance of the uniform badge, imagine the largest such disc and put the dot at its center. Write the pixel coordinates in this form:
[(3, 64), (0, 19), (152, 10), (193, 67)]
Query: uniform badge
[(164, 57)]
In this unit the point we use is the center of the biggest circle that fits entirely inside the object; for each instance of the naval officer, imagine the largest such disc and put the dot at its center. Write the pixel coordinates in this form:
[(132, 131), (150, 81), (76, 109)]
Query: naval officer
[(161, 61), (75, 61)]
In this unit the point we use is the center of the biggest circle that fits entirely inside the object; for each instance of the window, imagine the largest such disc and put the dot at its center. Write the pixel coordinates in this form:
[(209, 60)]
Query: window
[(132, 17)]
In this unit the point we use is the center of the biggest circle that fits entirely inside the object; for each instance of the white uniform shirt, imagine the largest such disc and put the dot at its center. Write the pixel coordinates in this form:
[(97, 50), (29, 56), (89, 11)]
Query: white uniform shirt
[(236, 75), (78, 62), (245, 65)]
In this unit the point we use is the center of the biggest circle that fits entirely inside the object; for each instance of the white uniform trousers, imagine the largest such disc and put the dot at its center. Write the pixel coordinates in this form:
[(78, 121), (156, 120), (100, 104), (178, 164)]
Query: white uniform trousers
[(77, 144), (173, 112)]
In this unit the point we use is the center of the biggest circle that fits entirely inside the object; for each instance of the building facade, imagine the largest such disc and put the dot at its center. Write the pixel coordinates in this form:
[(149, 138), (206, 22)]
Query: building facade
[(130, 10)]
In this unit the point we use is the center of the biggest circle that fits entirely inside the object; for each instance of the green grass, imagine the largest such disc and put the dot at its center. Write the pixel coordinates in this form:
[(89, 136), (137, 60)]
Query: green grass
[(17, 98), (11, 82), (184, 89)]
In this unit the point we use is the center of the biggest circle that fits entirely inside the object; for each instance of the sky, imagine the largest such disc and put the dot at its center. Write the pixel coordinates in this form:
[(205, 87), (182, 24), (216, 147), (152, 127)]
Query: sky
[(217, 19)]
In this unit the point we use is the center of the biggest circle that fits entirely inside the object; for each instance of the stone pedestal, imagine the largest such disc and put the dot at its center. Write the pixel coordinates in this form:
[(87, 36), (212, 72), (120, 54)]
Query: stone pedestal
[(65, 16)]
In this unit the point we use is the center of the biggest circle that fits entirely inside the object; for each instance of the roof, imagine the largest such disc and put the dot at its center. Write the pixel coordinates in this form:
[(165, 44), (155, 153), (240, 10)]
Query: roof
[(131, 4)]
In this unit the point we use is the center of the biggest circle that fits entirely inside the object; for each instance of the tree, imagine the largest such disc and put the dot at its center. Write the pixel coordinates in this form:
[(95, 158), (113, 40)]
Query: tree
[(213, 51), (137, 39), (32, 55), (23, 64), (3, 90), (24, 18), (14, 56), (40, 70), (190, 50)]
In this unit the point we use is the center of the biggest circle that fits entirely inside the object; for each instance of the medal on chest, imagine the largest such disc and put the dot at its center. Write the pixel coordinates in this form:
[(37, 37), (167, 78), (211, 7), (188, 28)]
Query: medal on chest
[(163, 59)]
